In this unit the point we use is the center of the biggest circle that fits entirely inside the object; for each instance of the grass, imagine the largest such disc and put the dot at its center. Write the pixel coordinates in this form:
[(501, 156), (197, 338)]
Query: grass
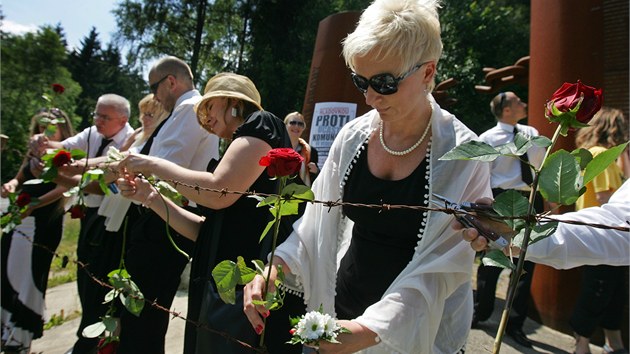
[(67, 248)]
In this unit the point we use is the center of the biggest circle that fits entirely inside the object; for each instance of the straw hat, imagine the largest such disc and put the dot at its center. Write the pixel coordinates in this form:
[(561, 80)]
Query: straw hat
[(229, 85)]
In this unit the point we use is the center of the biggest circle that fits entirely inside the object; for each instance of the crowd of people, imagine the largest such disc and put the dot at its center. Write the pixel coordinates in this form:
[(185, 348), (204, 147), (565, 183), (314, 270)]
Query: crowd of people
[(421, 299)]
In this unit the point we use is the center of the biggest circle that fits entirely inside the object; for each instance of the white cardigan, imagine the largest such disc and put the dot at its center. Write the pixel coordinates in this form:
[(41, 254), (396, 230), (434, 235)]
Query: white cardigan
[(428, 307)]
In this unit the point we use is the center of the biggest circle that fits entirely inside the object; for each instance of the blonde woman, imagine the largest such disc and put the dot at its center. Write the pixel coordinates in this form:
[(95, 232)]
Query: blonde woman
[(602, 296), (25, 266), (295, 126), (399, 280), (151, 115)]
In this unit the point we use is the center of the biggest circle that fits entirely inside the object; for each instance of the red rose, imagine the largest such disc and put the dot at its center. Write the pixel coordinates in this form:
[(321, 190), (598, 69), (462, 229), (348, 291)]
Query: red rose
[(23, 200), (62, 158), (568, 96), (107, 348), (58, 88), (77, 211), (282, 162)]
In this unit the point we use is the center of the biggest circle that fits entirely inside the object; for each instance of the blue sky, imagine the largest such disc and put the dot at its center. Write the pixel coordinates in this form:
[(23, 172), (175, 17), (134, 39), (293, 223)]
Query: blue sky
[(77, 17)]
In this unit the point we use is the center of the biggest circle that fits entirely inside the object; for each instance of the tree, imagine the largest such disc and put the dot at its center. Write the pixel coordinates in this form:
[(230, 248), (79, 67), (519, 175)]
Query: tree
[(478, 34), (31, 63), (100, 71)]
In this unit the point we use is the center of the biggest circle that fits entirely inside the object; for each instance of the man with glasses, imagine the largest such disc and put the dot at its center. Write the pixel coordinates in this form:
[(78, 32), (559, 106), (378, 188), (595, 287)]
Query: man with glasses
[(151, 259), (100, 255), (508, 173)]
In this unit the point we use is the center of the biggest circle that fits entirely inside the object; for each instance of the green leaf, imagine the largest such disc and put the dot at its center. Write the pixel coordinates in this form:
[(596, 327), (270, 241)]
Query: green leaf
[(120, 272), (133, 304), (110, 323), (226, 275), (472, 150), (259, 266), (298, 191), (49, 174), (511, 203), (77, 154), (541, 141), (266, 230), (290, 207), (94, 330), (270, 200), (602, 161), (247, 274), (111, 295), (559, 178), (496, 258), (522, 143), (539, 232), (583, 157)]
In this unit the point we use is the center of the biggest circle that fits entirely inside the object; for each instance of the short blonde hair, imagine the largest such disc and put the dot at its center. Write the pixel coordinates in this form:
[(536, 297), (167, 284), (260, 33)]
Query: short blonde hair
[(405, 29)]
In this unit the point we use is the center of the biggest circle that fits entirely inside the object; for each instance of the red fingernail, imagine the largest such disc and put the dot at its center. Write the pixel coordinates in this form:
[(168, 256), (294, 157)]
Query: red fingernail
[(259, 329), (266, 314)]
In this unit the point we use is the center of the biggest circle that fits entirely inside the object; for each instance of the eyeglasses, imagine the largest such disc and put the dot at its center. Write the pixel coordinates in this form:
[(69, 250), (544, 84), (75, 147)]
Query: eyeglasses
[(154, 87), (384, 84), (298, 123), (104, 117)]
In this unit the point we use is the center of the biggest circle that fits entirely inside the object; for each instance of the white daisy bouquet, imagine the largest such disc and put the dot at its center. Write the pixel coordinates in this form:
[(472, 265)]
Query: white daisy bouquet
[(315, 326)]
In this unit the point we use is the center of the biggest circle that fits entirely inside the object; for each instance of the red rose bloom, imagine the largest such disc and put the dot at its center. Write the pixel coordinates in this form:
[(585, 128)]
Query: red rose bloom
[(62, 158), (77, 211), (568, 96), (58, 88), (282, 162), (23, 200), (108, 348)]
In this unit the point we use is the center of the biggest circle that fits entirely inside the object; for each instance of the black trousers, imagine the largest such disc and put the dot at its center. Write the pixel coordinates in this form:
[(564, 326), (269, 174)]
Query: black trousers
[(99, 251), (601, 300), (487, 283), (486, 294), (156, 267)]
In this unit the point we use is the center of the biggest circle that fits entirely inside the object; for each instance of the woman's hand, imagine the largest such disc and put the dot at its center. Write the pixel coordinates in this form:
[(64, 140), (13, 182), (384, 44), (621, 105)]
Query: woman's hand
[(135, 164), (137, 189), (360, 338), (253, 291), (9, 187)]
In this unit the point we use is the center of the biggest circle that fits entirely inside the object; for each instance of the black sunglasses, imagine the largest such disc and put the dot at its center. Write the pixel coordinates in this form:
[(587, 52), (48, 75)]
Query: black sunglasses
[(502, 101), (154, 87), (384, 84), (299, 124)]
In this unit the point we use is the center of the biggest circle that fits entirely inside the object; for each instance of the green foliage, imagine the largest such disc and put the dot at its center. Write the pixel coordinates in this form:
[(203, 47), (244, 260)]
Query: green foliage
[(478, 34), (31, 63)]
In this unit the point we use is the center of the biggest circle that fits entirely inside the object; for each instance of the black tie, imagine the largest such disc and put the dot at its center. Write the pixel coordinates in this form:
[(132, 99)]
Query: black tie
[(526, 173), (104, 143)]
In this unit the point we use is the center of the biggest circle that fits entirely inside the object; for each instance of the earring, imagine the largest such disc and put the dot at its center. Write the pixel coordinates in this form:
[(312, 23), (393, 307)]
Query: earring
[(234, 112)]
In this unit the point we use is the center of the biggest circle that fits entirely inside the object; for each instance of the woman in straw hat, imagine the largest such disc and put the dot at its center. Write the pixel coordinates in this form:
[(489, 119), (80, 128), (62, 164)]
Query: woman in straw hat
[(231, 224)]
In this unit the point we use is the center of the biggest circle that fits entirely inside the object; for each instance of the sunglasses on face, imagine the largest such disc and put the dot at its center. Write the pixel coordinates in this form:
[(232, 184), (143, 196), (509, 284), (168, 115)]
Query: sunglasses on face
[(298, 123), (384, 84), (154, 87)]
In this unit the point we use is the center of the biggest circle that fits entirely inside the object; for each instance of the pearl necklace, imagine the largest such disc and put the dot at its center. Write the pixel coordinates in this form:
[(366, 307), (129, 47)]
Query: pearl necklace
[(406, 151)]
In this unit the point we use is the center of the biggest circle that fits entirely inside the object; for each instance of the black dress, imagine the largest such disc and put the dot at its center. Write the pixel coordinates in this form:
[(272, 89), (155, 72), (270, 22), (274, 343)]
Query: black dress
[(383, 242), (27, 253), (225, 235)]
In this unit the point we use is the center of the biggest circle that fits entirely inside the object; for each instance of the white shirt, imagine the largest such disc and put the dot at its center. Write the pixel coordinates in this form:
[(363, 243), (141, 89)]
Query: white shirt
[(576, 245), (89, 140), (506, 171), (182, 140)]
